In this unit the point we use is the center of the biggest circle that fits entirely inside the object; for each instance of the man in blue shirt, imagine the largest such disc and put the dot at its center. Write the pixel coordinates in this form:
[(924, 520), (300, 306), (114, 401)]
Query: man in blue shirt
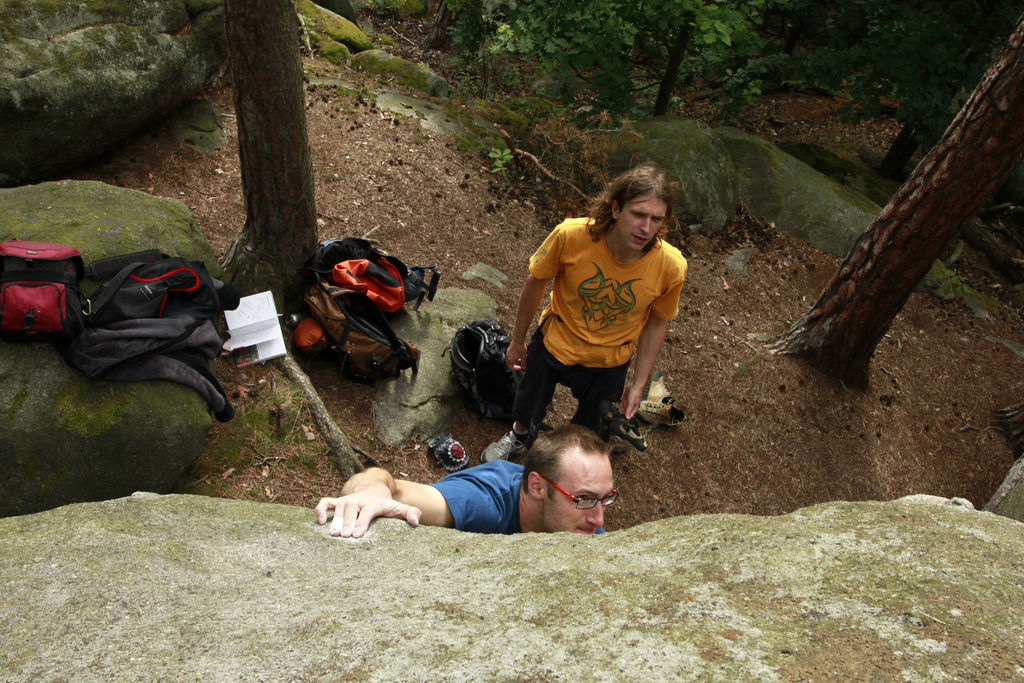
[(564, 484)]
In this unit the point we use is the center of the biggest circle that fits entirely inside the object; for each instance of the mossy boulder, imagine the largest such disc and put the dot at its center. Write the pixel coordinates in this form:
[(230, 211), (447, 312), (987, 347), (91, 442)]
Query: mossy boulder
[(334, 52), (864, 180), (412, 8), (780, 188), (193, 588), (66, 438), (410, 74), (517, 115), (326, 25), (689, 151), (198, 123), (77, 78)]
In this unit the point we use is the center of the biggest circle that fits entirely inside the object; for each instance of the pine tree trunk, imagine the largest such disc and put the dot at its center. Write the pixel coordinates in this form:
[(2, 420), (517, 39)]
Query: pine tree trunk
[(894, 165), (979, 149), (438, 36), (280, 230), (668, 81)]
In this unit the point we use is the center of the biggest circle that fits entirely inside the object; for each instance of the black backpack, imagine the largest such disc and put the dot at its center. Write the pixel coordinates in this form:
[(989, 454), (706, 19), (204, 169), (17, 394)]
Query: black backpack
[(419, 282), (39, 295), (154, 320), (148, 284), (477, 354)]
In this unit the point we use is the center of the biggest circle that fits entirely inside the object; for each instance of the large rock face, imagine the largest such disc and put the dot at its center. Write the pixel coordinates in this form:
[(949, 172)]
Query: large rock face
[(425, 403), (64, 437), (77, 77), (778, 187), (192, 588), (692, 154)]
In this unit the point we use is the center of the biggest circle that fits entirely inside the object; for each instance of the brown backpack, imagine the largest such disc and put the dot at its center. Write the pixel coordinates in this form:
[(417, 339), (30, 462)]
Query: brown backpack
[(359, 332)]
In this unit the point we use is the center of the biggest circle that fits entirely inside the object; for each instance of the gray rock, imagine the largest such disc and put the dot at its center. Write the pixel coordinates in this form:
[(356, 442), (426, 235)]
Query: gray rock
[(425, 402), (1008, 500), (64, 437), (779, 188), (873, 186), (410, 74), (482, 271), (198, 123), (76, 78), (342, 8), (737, 260), (693, 155), (460, 123), (192, 588)]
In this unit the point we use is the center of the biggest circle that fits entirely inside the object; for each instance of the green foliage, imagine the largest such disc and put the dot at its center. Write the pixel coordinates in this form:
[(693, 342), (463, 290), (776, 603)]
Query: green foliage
[(918, 57), (612, 52), (502, 159)]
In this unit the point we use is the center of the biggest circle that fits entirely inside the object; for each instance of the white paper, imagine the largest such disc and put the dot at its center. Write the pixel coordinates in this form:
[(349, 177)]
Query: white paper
[(254, 329)]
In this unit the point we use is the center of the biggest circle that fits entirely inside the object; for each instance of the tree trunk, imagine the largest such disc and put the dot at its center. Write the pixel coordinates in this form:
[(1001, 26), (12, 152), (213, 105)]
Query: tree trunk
[(438, 36), (675, 59), (1011, 421), (280, 230), (981, 238), (979, 149), (894, 165)]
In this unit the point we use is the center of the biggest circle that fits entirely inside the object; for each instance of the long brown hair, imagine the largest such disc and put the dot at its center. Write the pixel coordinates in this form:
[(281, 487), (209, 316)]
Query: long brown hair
[(646, 180)]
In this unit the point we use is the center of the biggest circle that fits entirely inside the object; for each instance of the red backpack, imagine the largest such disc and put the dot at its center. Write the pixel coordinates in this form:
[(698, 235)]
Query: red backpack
[(39, 295)]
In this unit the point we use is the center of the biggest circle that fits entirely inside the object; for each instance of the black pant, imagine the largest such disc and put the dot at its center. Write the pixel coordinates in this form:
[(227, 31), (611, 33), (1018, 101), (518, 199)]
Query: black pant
[(544, 372)]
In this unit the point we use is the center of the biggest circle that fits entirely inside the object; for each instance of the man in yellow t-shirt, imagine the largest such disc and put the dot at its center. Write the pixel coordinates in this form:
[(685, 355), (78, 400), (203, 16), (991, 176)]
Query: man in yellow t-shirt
[(615, 284)]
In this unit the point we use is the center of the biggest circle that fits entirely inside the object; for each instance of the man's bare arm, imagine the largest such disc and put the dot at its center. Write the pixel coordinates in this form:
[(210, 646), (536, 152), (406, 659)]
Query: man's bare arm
[(375, 493), (647, 348), (529, 302)]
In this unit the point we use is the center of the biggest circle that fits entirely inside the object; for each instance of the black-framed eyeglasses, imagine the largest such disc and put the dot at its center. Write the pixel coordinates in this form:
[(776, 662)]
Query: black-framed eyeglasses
[(581, 502)]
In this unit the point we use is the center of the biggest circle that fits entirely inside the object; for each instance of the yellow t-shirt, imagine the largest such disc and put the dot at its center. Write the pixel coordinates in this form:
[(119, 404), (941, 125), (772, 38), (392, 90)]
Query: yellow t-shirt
[(599, 306)]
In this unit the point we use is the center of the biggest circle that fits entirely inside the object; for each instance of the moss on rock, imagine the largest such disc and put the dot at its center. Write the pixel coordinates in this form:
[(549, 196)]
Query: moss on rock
[(334, 52), (335, 27), (65, 437), (410, 74)]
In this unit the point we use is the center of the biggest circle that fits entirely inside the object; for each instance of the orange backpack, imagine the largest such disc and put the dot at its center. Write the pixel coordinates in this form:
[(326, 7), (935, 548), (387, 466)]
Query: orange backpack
[(379, 280)]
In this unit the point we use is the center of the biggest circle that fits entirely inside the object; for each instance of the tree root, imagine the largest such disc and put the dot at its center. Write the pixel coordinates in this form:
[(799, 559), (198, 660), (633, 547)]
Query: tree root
[(341, 448), (523, 154)]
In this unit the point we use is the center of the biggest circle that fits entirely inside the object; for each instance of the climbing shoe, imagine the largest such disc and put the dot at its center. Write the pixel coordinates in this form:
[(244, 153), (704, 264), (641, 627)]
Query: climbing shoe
[(614, 423)]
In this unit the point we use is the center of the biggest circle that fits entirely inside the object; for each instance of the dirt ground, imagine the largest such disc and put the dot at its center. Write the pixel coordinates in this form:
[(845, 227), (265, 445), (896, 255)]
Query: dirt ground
[(764, 434)]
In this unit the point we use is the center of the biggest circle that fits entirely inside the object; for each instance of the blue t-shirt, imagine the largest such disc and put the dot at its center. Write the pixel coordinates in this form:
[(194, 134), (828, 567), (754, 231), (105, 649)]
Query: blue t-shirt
[(485, 498)]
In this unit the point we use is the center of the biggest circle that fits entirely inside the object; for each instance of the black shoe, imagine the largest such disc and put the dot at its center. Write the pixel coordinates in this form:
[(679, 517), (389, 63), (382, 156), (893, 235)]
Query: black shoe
[(614, 423)]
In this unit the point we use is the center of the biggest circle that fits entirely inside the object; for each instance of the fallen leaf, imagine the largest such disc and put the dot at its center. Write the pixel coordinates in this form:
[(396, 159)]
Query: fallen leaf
[(227, 473)]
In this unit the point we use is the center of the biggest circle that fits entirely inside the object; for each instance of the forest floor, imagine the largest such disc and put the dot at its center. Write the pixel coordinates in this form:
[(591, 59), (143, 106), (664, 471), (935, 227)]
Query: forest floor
[(764, 434)]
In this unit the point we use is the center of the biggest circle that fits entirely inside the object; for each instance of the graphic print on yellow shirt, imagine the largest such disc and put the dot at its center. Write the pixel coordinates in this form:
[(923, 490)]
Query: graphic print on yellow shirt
[(599, 306), (604, 300)]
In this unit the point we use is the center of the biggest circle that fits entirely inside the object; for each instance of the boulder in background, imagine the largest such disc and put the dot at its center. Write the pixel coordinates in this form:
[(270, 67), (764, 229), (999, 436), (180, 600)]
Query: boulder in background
[(77, 78)]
